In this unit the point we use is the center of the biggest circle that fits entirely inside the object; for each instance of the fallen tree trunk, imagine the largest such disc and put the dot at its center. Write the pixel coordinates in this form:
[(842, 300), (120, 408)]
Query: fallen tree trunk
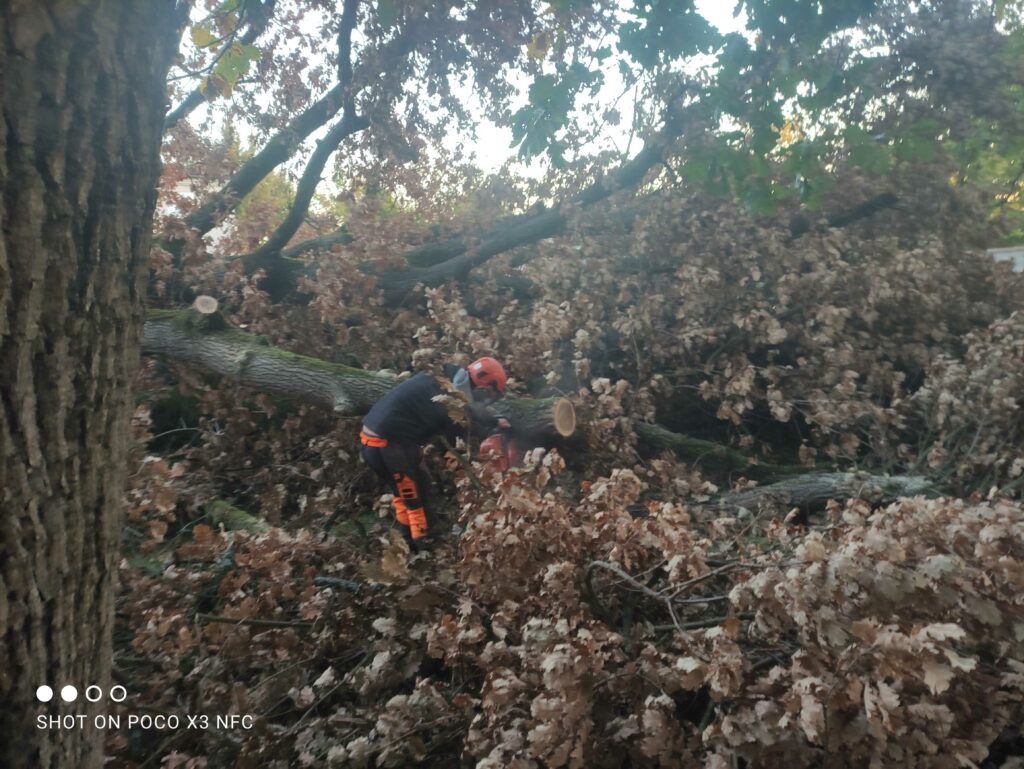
[(211, 343), (656, 438), (812, 491), (399, 286), (800, 487), (453, 259), (540, 418), (234, 518)]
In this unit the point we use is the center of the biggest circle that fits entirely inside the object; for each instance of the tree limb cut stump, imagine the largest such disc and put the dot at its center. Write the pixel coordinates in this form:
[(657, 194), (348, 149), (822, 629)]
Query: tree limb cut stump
[(545, 418)]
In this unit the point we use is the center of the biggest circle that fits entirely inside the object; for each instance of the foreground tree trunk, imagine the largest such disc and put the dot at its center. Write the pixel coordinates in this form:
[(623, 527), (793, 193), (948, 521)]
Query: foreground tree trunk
[(82, 100)]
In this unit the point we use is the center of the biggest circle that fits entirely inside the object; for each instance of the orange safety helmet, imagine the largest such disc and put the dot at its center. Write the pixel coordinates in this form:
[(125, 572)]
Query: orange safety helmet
[(487, 372)]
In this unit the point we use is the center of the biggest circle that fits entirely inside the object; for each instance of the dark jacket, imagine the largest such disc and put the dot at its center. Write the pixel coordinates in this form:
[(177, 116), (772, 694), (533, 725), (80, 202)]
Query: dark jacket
[(409, 413)]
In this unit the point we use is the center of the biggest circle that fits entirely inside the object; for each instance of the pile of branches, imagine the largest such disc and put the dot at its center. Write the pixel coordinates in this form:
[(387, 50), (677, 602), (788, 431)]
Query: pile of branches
[(599, 623)]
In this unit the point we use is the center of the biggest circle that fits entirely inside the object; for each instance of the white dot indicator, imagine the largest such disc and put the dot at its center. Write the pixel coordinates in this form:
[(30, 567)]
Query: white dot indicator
[(44, 693), (114, 693), (93, 693), (69, 693)]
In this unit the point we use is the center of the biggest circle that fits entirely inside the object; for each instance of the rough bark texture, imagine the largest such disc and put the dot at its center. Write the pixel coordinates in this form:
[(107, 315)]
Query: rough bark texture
[(813, 490), (234, 518), (655, 438), (209, 343), (82, 97)]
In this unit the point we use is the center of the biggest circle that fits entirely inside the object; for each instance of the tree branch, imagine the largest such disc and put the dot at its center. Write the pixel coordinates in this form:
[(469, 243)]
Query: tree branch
[(277, 150), (209, 342), (348, 24), (348, 125), (655, 438), (399, 286), (326, 147), (813, 490), (252, 622), (257, 25), (341, 236)]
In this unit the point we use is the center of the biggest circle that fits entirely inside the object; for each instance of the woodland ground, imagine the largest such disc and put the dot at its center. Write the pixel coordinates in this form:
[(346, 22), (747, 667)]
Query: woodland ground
[(618, 611)]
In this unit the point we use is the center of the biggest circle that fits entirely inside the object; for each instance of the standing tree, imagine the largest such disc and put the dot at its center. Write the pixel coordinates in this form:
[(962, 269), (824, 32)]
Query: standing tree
[(82, 99)]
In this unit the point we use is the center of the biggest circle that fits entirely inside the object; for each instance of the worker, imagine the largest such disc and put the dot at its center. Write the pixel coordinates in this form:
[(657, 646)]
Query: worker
[(399, 424)]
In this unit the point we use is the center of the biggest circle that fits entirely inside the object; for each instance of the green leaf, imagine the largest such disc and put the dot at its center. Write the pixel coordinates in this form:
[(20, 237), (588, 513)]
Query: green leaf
[(387, 13), (235, 63), (539, 45), (873, 158), (914, 148), (202, 37), (696, 170)]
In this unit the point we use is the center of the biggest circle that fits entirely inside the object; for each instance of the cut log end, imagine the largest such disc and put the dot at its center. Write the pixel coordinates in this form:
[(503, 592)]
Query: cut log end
[(205, 305), (564, 417)]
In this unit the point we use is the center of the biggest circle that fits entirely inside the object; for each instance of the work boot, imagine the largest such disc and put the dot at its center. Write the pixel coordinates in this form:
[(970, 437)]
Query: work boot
[(403, 529)]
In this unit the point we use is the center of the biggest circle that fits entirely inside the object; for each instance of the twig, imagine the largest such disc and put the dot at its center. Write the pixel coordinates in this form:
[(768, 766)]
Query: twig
[(701, 599), (176, 430), (709, 713), (345, 584), (701, 623), (401, 737), (727, 566), (754, 518), (465, 465), (253, 622), (618, 572), (294, 727), (324, 696), (660, 597)]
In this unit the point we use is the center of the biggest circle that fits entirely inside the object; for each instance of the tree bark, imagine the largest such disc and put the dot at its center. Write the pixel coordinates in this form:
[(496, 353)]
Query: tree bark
[(82, 98), (211, 344), (208, 342), (655, 438), (813, 490)]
